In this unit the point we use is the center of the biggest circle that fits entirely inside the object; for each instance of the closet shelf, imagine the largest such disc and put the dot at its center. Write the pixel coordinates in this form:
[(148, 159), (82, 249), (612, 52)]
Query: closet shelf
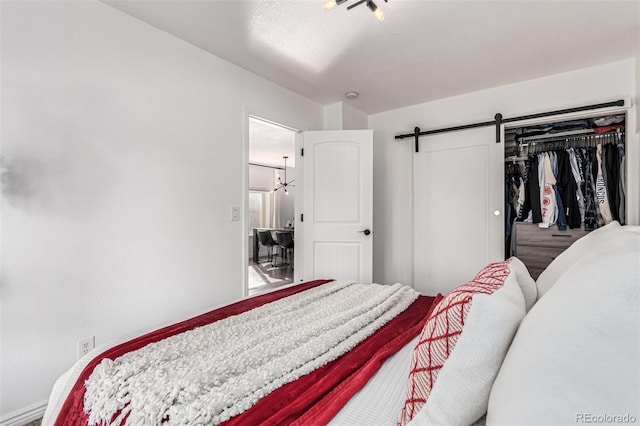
[(556, 135)]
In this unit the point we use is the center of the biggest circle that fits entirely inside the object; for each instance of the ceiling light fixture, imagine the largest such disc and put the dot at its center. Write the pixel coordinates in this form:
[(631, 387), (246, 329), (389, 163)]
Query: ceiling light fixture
[(351, 95), (331, 4), (284, 184), (377, 12)]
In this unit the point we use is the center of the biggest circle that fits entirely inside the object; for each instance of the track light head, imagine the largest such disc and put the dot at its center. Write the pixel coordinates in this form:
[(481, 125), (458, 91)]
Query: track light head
[(377, 12), (331, 4)]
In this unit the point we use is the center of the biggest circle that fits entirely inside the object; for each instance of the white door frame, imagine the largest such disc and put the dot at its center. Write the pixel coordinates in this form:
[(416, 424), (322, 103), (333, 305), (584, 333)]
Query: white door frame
[(298, 271)]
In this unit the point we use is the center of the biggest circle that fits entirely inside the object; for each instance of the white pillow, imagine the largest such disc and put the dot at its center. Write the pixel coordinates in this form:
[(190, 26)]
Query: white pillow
[(462, 346), (526, 283), (576, 354), (582, 247)]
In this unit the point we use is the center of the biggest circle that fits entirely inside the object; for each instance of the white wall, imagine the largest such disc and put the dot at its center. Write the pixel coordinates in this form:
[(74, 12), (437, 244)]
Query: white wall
[(342, 116), (353, 118), (637, 102), (333, 116), (393, 159), (123, 151), (638, 81)]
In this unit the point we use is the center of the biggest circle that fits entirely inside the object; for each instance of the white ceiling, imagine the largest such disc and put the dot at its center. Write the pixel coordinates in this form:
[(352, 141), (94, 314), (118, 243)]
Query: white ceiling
[(268, 144), (423, 50)]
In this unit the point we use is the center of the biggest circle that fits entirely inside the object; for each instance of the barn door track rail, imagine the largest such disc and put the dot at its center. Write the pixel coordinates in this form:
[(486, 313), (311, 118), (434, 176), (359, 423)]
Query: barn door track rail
[(498, 121)]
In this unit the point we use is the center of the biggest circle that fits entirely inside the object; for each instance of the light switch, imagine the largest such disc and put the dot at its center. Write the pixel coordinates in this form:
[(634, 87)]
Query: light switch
[(235, 213)]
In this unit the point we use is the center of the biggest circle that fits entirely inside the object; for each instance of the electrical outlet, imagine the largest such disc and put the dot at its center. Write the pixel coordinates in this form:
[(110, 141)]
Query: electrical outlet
[(85, 346)]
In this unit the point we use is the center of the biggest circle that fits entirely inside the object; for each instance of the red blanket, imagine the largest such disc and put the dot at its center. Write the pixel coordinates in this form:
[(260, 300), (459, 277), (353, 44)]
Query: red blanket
[(312, 399)]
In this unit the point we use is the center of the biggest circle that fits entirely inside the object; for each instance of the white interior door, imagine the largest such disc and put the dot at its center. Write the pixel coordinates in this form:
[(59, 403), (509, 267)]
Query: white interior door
[(458, 204), (336, 174)]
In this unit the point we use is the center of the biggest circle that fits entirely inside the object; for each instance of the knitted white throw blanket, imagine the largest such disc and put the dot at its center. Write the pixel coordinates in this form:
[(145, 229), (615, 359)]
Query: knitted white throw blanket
[(212, 373)]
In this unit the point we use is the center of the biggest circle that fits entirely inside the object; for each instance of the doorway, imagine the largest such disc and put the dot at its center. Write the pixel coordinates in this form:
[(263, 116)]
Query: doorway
[(270, 205)]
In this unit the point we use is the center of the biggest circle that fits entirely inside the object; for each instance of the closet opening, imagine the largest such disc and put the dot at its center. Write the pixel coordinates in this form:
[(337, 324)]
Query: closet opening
[(563, 179)]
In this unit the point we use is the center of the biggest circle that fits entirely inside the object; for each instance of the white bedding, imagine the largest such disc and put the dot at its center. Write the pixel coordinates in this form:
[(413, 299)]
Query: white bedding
[(379, 402), (217, 371)]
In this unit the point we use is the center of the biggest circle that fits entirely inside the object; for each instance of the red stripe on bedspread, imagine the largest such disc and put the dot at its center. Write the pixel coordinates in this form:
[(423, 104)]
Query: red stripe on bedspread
[(72, 411)]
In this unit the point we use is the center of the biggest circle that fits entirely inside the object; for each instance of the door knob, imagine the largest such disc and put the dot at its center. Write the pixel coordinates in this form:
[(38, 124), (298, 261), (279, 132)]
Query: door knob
[(365, 232)]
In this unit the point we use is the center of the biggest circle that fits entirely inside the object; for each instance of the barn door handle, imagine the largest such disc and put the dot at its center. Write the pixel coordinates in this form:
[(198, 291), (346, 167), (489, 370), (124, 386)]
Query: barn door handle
[(365, 232)]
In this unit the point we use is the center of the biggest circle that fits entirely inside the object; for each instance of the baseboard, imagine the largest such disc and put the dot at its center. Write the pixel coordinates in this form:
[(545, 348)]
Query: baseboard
[(25, 415)]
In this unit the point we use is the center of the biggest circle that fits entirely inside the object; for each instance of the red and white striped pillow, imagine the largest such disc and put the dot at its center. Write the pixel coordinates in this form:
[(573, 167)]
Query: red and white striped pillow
[(463, 343)]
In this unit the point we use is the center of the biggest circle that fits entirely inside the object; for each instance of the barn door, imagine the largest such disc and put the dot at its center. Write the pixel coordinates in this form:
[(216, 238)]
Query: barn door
[(458, 208)]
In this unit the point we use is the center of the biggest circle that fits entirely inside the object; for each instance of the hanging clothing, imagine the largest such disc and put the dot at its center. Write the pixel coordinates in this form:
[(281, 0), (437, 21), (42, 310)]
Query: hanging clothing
[(622, 178), (508, 209), (577, 173), (547, 193), (612, 178), (574, 174), (561, 219), (521, 197), (601, 189), (525, 208), (591, 212), (568, 189), (532, 201)]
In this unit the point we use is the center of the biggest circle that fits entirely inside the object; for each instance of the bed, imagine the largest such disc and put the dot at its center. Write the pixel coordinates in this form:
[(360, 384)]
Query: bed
[(500, 349)]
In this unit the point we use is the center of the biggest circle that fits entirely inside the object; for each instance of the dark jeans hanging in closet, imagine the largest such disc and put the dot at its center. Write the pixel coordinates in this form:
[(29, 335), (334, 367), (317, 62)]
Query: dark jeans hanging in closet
[(568, 188), (621, 186), (612, 169), (533, 190)]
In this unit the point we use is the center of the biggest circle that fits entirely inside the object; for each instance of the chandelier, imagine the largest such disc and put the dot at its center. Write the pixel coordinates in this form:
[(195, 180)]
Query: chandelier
[(377, 12), (283, 184)]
